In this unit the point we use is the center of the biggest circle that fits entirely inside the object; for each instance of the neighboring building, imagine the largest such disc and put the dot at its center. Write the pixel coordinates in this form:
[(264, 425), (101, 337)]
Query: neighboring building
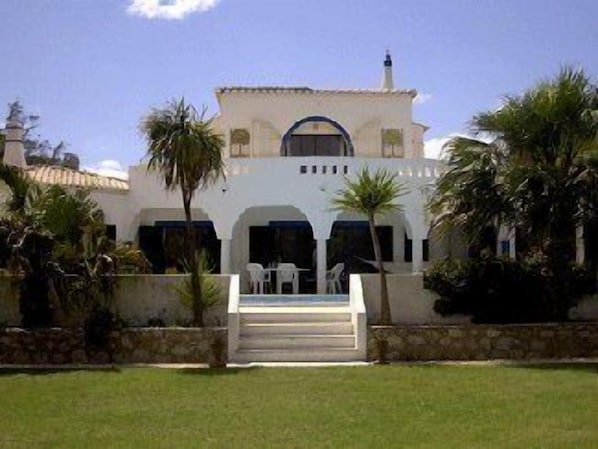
[(287, 152)]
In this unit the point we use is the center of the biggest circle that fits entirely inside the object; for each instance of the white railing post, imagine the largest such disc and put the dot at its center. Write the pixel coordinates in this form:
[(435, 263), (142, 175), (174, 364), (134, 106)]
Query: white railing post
[(233, 316), (358, 314)]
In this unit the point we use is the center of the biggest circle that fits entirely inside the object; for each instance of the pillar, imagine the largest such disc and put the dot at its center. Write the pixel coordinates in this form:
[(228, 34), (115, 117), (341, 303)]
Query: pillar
[(580, 250), (417, 259), (513, 246), (321, 265), (225, 256), (506, 234)]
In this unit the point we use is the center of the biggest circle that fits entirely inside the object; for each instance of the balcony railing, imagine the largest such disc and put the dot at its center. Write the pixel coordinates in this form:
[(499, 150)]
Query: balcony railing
[(425, 169)]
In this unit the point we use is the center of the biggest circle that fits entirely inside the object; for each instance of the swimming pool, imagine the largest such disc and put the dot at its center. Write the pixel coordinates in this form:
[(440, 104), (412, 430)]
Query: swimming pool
[(293, 300)]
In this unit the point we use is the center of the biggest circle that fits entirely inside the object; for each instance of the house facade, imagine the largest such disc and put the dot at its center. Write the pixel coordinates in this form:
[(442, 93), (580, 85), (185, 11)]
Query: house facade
[(287, 153)]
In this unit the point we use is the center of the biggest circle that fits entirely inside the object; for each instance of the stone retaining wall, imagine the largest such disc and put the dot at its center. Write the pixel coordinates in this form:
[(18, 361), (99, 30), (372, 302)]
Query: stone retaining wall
[(129, 345), (485, 342)]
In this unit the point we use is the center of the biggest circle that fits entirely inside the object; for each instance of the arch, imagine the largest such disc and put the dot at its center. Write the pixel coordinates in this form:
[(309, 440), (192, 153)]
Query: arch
[(273, 215), (260, 234), (286, 138)]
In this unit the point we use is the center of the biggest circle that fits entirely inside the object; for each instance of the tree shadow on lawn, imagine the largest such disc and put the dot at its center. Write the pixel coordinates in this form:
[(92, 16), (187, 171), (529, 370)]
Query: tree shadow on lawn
[(589, 367), (33, 371)]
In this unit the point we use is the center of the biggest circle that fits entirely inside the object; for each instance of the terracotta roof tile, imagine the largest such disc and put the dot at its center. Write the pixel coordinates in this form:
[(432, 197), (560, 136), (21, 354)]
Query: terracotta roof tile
[(308, 90), (68, 177)]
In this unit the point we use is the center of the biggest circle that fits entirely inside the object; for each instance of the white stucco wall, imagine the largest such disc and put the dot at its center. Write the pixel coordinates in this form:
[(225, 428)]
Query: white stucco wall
[(410, 303), (137, 298), (279, 182)]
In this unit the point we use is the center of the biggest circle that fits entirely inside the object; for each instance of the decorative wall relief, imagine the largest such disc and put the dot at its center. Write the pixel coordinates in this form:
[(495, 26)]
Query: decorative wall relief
[(392, 143), (239, 142)]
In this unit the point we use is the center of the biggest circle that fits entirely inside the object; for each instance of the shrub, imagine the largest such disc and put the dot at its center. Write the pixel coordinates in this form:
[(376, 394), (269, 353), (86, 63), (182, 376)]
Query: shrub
[(494, 290), (210, 289)]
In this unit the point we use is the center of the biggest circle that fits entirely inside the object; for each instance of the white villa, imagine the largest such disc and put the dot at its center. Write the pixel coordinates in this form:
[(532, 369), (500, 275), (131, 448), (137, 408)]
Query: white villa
[(287, 152)]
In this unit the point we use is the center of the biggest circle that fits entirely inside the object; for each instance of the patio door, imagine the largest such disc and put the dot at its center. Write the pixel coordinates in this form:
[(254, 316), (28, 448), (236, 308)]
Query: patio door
[(282, 241)]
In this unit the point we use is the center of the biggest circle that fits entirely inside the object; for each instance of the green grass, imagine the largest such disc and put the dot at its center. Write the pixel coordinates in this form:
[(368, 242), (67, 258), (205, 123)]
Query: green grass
[(416, 406)]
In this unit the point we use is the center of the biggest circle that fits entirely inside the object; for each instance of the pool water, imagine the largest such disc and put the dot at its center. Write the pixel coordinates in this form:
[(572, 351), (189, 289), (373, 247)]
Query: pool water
[(290, 300)]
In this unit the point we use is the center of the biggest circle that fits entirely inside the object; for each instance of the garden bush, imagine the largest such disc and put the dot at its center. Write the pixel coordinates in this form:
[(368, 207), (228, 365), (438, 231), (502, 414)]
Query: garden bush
[(494, 290)]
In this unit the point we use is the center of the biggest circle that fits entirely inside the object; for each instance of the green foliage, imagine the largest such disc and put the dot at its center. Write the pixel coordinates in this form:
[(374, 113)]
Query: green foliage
[(22, 189), (470, 194), (503, 291), (536, 171), (372, 195), (369, 194), (211, 292), (184, 149), (68, 215), (128, 259), (53, 239)]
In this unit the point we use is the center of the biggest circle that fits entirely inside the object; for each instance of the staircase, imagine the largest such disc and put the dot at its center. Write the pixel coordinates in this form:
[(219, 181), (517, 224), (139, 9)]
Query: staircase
[(295, 328)]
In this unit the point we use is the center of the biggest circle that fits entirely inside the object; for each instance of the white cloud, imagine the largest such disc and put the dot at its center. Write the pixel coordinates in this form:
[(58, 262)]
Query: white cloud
[(169, 9), (422, 97), (433, 148), (110, 168)]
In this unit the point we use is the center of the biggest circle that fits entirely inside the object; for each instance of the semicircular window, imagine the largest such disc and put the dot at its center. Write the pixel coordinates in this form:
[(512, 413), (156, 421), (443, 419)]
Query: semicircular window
[(316, 136)]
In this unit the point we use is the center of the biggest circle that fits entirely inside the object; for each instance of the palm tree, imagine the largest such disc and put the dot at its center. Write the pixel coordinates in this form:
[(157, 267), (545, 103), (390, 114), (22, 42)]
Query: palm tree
[(469, 196), (186, 151), (538, 173), (372, 195), (22, 188)]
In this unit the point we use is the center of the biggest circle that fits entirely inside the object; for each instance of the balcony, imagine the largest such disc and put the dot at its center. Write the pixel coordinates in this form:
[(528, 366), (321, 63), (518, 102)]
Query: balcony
[(414, 170)]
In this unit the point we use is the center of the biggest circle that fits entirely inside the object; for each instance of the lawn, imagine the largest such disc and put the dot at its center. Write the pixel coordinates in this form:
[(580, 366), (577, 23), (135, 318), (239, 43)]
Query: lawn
[(418, 406)]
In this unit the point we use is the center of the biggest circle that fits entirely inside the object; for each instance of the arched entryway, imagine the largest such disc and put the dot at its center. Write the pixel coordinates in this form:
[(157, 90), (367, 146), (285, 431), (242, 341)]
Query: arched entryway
[(316, 136), (161, 237), (270, 235)]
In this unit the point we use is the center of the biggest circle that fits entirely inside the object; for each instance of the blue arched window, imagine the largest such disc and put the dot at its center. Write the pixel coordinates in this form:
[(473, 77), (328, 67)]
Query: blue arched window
[(337, 143)]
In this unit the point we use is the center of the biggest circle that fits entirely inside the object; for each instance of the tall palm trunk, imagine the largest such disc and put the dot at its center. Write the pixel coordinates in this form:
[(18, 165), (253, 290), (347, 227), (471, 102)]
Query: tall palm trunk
[(385, 314), (192, 263)]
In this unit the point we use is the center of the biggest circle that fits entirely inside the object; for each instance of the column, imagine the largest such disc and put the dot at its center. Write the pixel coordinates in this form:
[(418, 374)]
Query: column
[(225, 256), (580, 250), (417, 263), (321, 265), (512, 245), (501, 236)]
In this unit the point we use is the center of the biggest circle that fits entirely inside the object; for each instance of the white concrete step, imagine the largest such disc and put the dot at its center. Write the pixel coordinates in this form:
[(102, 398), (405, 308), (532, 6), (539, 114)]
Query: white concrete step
[(289, 342), (297, 328), (293, 314), (296, 355)]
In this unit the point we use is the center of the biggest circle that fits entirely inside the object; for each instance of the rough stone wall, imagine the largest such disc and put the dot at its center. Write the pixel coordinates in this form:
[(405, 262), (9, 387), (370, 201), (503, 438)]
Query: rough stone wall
[(129, 345), (485, 342), (9, 301)]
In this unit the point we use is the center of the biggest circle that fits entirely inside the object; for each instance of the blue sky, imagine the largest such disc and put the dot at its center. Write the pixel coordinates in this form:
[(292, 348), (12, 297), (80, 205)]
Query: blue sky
[(92, 68)]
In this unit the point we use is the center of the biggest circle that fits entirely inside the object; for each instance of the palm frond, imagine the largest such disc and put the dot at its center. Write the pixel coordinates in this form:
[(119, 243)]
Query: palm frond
[(370, 194)]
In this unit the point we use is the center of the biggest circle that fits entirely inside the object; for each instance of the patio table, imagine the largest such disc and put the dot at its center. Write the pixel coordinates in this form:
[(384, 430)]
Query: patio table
[(276, 270)]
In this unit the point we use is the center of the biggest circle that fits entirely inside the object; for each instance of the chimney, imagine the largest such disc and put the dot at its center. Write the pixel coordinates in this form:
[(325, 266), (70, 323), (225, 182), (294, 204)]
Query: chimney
[(387, 83), (14, 151)]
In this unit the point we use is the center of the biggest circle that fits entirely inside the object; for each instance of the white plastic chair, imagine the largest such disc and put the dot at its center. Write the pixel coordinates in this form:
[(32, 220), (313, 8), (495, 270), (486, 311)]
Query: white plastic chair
[(287, 273), (258, 278), (333, 279)]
